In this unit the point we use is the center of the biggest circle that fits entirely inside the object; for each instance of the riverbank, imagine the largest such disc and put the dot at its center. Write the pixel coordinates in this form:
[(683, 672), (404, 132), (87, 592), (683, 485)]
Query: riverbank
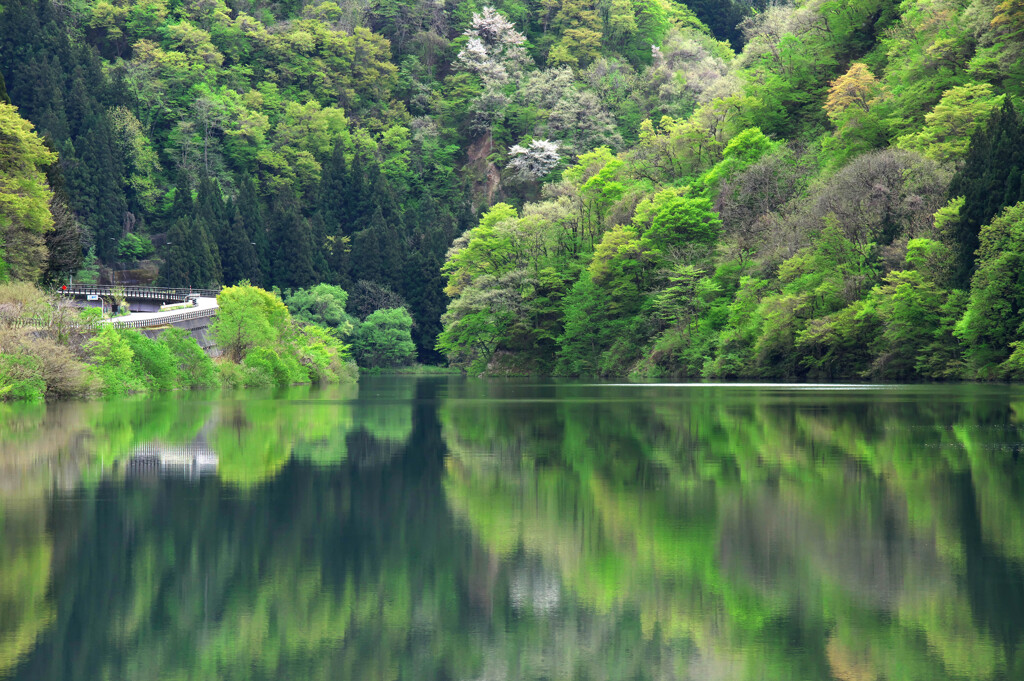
[(70, 353)]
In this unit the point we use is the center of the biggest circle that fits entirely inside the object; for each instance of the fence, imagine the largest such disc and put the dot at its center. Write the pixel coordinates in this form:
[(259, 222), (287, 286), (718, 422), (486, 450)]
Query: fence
[(145, 292), (164, 321), (37, 323)]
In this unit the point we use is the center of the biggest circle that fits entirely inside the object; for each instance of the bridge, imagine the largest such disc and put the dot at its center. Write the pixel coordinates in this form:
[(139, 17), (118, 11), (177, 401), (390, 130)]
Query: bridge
[(140, 298), (148, 315)]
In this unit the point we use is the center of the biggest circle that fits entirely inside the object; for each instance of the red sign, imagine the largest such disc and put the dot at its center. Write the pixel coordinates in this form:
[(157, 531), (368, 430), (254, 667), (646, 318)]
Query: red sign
[(64, 287)]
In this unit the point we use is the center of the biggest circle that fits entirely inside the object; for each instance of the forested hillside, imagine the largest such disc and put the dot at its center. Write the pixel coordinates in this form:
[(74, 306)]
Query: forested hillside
[(718, 189), (844, 201)]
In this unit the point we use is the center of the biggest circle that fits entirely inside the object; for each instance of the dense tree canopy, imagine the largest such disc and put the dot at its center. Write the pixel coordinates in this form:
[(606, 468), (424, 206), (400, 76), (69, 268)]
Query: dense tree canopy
[(673, 176)]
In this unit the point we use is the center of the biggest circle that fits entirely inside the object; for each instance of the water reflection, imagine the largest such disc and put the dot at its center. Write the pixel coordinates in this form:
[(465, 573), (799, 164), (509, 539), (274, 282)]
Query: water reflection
[(449, 529)]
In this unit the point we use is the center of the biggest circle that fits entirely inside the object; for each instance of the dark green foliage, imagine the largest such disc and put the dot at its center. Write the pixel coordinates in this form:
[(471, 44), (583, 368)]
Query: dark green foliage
[(291, 247), (251, 212), (238, 254), (367, 297), (989, 181), (179, 266)]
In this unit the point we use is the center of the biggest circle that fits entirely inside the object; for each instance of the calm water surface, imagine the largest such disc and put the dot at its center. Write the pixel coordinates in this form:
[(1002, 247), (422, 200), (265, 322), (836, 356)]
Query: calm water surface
[(444, 528)]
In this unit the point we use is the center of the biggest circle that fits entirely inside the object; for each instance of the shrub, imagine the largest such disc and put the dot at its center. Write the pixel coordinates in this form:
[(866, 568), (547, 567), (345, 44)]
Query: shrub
[(385, 339), (269, 367), (195, 368), (27, 359), (321, 354), (21, 378), (231, 375), (21, 299), (249, 317), (322, 304), (112, 363), (155, 363), (64, 375)]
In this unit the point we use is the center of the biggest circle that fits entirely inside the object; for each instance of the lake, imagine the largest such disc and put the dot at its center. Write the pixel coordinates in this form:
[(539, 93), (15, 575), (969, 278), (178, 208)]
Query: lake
[(463, 529)]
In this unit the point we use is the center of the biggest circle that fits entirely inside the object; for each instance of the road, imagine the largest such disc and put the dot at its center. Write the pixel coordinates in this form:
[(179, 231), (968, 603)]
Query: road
[(158, 318)]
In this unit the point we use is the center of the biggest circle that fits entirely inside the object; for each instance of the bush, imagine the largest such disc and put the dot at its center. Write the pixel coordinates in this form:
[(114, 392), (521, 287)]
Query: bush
[(323, 305), (321, 354), (248, 318), (32, 368), (269, 366), (65, 376), (385, 339), (21, 378), (232, 375), (154, 361), (113, 363), (195, 368), (21, 299)]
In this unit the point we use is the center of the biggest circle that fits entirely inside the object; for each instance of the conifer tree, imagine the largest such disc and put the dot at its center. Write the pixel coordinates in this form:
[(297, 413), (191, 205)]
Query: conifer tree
[(291, 246), (208, 273), (64, 241), (367, 263), (238, 256), (336, 193), (989, 181), (318, 233), (361, 204), (251, 211), (182, 206), (179, 265), (96, 186)]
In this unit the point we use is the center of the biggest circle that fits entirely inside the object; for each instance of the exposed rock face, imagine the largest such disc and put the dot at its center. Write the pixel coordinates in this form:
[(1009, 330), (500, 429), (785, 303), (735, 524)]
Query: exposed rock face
[(486, 175)]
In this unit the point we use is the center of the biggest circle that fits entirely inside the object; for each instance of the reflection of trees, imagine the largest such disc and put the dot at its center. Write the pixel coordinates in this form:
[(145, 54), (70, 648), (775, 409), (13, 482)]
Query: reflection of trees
[(253, 434), (782, 535), (25, 553), (315, 573), (723, 535)]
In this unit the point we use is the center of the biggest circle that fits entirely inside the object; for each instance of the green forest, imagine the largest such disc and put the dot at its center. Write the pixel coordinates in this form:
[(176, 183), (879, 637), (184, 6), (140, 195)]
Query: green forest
[(719, 189)]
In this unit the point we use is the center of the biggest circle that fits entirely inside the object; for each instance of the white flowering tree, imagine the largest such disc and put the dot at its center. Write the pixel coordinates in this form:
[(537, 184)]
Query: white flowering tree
[(495, 53), (534, 160), (495, 49)]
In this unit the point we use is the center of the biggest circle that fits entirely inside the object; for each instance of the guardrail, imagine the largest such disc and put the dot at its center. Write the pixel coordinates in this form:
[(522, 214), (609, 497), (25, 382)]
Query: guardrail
[(29, 322), (164, 321), (148, 292)]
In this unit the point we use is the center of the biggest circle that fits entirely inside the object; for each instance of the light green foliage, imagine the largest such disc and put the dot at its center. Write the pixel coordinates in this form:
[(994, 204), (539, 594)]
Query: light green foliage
[(741, 152), (384, 339), (683, 222), (134, 247), (248, 317), (194, 367), (264, 345), (21, 377), (322, 304), (995, 314), (24, 197), (483, 250), (949, 126), (156, 363), (112, 361)]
